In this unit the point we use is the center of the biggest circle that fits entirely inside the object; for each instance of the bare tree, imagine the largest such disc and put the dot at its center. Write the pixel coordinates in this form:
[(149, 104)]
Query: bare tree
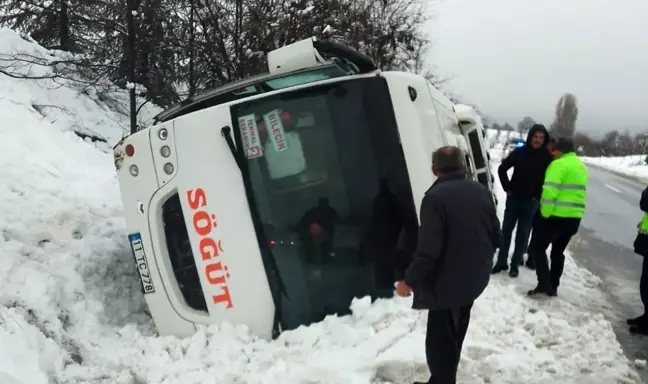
[(524, 125), (585, 144), (613, 143), (564, 124), (164, 50)]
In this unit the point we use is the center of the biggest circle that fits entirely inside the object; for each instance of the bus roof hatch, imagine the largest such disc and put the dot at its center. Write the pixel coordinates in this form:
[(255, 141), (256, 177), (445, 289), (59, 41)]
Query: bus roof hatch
[(311, 53)]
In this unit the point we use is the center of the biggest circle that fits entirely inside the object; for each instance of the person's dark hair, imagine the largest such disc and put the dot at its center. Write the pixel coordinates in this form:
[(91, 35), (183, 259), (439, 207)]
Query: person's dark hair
[(535, 129), (562, 144), (447, 159)]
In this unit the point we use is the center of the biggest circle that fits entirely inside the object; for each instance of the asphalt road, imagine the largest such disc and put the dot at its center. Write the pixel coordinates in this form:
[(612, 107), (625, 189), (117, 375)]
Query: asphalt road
[(604, 246)]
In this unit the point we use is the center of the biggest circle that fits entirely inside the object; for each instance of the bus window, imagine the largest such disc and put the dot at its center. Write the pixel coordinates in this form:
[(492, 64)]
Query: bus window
[(299, 78), (475, 145)]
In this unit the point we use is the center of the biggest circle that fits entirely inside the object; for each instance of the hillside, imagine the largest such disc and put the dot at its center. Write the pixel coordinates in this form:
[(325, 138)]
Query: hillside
[(67, 268)]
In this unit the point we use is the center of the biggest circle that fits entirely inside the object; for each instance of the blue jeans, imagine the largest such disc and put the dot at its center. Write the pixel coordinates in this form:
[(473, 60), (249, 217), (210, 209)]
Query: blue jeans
[(520, 211)]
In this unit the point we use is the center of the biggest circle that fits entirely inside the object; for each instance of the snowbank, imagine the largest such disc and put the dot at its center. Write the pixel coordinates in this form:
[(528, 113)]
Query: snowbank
[(498, 139), (634, 166), (99, 109), (71, 309)]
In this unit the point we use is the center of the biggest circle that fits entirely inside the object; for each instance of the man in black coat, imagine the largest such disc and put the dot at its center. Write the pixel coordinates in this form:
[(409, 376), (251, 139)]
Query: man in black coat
[(523, 191), (458, 234), (639, 325)]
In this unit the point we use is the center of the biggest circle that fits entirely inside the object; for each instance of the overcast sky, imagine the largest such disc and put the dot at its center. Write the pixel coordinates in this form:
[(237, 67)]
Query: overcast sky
[(516, 57)]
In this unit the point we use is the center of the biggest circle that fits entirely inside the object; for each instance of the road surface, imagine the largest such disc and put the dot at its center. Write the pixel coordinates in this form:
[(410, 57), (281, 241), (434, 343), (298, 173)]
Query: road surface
[(604, 246)]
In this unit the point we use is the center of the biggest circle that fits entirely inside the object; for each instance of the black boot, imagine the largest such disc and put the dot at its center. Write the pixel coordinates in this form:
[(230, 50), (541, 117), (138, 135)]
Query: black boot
[(638, 320), (536, 291), (514, 272), (541, 290), (555, 282), (499, 268), (530, 264)]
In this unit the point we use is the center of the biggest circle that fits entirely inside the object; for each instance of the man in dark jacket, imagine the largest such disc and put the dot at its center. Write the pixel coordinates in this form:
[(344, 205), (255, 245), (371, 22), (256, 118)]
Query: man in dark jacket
[(523, 192), (458, 234), (639, 325)]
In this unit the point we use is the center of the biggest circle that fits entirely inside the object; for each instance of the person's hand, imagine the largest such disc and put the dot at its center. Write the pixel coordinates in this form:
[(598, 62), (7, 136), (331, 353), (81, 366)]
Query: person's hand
[(402, 289), (315, 229)]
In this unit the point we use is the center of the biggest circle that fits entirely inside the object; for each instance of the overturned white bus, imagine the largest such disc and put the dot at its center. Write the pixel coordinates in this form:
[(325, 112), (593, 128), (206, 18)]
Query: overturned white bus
[(273, 201)]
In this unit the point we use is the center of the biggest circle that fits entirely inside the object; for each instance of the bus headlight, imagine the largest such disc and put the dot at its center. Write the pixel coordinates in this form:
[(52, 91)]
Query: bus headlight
[(165, 151), (134, 170), (163, 134), (168, 168)]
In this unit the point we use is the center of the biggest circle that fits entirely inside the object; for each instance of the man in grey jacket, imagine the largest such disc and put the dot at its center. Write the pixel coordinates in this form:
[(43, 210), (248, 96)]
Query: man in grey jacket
[(458, 235)]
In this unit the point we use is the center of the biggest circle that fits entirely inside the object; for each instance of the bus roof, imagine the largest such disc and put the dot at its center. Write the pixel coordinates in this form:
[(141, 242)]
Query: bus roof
[(249, 87), (301, 62)]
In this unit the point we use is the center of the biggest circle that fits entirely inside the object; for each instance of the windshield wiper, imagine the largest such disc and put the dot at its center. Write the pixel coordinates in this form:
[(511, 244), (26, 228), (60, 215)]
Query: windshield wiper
[(277, 286)]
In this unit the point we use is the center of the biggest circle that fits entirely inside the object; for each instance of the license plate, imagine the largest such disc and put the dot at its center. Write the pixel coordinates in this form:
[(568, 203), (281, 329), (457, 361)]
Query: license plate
[(142, 264)]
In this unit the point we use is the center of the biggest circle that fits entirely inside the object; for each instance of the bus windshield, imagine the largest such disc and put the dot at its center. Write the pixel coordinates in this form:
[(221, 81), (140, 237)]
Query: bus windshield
[(330, 185)]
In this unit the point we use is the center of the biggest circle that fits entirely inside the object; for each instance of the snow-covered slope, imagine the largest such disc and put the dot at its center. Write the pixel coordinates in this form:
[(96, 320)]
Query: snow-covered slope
[(634, 165), (98, 109), (66, 269), (71, 309)]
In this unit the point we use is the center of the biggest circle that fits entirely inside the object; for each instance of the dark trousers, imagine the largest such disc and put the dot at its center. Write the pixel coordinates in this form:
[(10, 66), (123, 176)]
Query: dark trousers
[(557, 232), (520, 211), (384, 278), (446, 330), (643, 285), (537, 220)]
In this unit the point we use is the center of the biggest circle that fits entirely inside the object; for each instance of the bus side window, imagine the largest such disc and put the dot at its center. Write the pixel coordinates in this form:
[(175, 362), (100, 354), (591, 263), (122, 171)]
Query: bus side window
[(475, 145), (468, 165)]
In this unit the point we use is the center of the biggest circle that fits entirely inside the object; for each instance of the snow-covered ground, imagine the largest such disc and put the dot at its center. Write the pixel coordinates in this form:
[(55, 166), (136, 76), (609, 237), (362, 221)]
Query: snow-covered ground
[(634, 165), (71, 310), (499, 138)]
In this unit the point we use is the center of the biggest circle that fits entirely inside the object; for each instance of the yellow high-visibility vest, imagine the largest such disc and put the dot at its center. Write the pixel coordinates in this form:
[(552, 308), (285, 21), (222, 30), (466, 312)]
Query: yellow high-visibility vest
[(564, 191)]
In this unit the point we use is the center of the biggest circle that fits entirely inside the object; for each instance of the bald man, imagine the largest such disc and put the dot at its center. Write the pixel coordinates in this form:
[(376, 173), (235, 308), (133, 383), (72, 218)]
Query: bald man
[(458, 235)]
